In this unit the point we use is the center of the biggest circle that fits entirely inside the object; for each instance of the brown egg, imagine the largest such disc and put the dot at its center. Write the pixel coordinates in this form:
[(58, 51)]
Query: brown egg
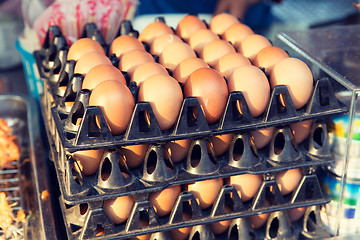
[(163, 201), (174, 53), (296, 213), (221, 22), (142, 223), (83, 46), (147, 70), (252, 82), (257, 221), (288, 180), (88, 160), (268, 57), (186, 67), (90, 60), (221, 143), (134, 155), (118, 209), (101, 73), (213, 97), (153, 30), (236, 33), (165, 97), (206, 192), (181, 233), (229, 62), (130, 60), (214, 50), (252, 44), (124, 44), (297, 77), (220, 227), (246, 185), (188, 25), (301, 130), (199, 39), (161, 41), (177, 150), (116, 103), (262, 136)]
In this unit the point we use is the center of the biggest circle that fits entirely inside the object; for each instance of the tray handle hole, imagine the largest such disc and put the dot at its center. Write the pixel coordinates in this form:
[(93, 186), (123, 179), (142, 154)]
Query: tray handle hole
[(144, 121), (279, 143), (238, 106), (274, 228), (192, 116), (196, 236), (318, 138), (152, 162), (106, 170), (99, 231), (144, 218), (195, 156), (187, 211), (281, 106), (311, 222), (84, 207)]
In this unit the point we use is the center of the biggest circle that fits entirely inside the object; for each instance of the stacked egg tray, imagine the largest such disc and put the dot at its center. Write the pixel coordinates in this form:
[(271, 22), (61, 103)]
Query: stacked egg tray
[(61, 85)]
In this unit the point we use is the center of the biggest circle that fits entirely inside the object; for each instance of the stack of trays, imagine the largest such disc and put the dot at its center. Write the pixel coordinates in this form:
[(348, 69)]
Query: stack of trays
[(82, 196)]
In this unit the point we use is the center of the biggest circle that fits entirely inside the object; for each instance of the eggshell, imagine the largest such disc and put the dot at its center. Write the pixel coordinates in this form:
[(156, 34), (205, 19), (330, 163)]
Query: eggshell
[(206, 192), (301, 130), (252, 44), (130, 60), (118, 209), (252, 82), (262, 136), (90, 60), (134, 155), (174, 53), (297, 77), (268, 57), (177, 150), (199, 39), (116, 103), (161, 41), (101, 73), (227, 63), (147, 70), (153, 30), (124, 44), (246, 185), (186, 67), (181, 233), (236, 33), (163, 201), (188, 25), (220, 227), (296, 213), (288, 180), (210, 89), (221, 143), (257, 221), (214, 50), (221, 22), (165, 97), (83, 46), (89, 160)]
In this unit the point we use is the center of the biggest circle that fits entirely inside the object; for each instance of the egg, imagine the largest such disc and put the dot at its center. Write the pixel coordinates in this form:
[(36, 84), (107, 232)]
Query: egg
[(182, 233), (246, 185), (124, 44), (257, 221), (214, 50), (142, 223), (174, 53), (206, 192), (165, 97), (252, 82), (210, 89), (199, 39), (161, 41), (296, 213), (229, 62), (297, 77), (220, 227), (221, 143), (153, 30), (130, 60), (177, 150), (268, 57), (83, 46), (163, 201), (221, 22), (147, 70), (186, 67), (188, 25), (118, 209), (288, 180), (134, 155), (252, 44), (90, 60), (88, 160), (101, 73), (262, 136), (236, 33), (116, 103), (301, 130)]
